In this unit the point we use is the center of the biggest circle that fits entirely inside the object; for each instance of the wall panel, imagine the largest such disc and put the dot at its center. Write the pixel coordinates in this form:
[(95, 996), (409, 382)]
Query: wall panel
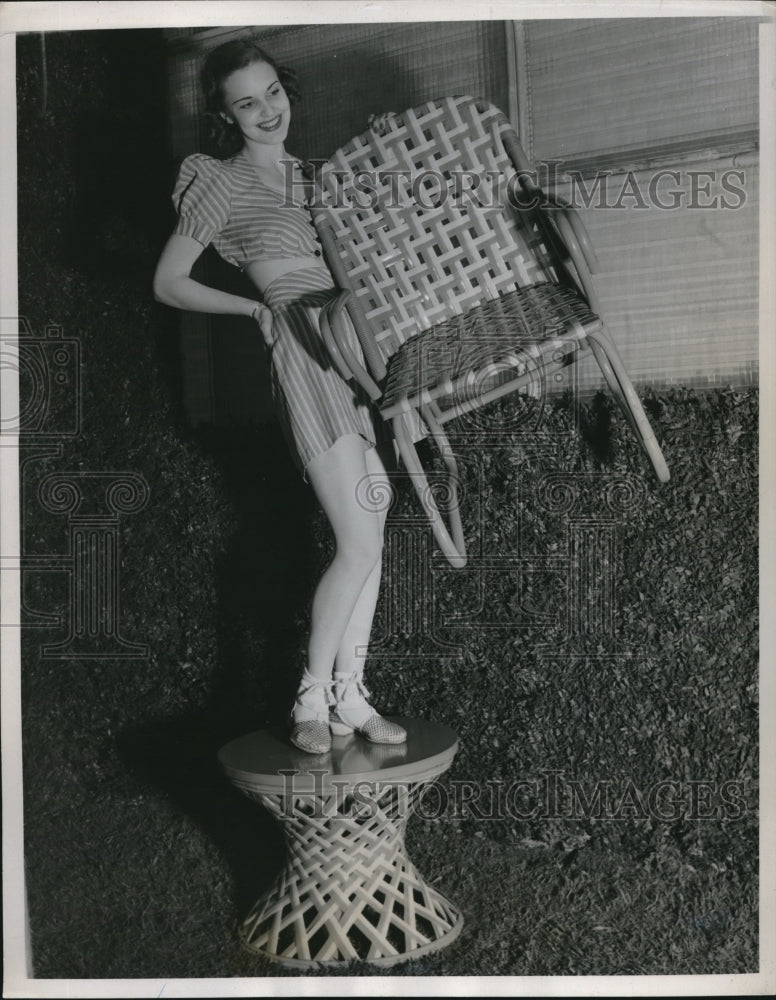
[(618, 100), (619, 85)]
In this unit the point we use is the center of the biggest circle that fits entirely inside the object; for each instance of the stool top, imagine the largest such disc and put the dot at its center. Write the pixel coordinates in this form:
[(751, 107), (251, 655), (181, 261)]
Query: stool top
[(266, 762)]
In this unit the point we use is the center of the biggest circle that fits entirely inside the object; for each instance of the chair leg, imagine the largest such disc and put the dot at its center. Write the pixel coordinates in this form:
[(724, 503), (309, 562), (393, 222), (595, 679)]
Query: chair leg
[(450, 540), (607, 371), (618, 380)]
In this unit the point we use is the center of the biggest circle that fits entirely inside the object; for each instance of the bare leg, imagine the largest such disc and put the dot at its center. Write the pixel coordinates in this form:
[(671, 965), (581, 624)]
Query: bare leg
[(352, 709), (374, 494), (338, 478), (353, 489)]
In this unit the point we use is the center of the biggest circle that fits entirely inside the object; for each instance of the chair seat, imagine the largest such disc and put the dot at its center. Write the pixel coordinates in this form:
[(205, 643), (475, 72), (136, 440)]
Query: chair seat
[(504, 335)]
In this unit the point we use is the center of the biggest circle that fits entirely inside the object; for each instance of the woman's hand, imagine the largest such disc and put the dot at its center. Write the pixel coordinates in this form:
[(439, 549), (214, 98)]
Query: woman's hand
[(383, 123), (263, 316)]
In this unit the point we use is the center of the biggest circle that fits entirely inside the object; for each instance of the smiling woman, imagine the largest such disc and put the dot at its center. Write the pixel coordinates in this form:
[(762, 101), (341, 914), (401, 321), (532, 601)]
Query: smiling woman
[(241, 206), (225, 65), (263, 113)]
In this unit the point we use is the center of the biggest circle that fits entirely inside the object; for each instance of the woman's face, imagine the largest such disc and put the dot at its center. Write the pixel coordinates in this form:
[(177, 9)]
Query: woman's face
[(257, 103)]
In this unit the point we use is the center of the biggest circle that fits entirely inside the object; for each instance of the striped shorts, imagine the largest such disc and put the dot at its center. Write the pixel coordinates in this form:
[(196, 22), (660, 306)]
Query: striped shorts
[(314, 405)]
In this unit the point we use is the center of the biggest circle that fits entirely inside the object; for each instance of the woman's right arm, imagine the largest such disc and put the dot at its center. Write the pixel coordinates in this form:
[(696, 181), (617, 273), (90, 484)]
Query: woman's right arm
[(174, 286)]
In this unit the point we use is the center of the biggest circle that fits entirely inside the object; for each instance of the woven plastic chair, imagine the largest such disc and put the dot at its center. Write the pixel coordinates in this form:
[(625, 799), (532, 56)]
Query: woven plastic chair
[(457, 277)]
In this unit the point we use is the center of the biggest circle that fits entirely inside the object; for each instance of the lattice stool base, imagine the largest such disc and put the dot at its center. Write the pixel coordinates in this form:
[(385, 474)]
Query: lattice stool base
[(348, 890)]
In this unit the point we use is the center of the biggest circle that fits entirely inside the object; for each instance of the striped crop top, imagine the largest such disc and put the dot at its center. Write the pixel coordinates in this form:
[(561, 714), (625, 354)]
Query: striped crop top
[(226, 203)]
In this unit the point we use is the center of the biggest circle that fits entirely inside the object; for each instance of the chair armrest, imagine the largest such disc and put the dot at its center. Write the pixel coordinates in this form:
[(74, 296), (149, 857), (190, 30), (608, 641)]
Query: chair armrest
[(334, 317), (330, 340), (355, 313), (580, 231), (563, 218), (579, 260), (584, 246)]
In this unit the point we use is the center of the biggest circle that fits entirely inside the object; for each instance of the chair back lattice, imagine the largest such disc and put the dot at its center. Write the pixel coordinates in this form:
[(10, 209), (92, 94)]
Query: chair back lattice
[(426, 218)]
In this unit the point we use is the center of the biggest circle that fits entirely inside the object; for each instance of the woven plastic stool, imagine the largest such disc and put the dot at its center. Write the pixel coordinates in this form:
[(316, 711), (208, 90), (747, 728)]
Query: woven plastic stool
[(347, 891)]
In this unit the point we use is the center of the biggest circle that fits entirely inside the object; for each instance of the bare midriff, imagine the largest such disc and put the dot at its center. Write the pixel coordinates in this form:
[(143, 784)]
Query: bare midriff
[(263, 272)]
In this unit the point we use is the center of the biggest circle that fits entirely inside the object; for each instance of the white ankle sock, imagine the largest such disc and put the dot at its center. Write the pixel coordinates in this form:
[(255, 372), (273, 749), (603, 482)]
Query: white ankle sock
[(350, 700), (312, 699)]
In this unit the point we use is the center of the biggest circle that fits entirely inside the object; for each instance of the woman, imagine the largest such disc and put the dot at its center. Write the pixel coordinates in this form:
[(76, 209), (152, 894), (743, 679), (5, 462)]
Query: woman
[(248, 206)]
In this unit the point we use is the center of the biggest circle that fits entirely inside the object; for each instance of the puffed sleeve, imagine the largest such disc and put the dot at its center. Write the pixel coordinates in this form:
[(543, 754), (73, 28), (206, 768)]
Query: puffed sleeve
[(201, 198)]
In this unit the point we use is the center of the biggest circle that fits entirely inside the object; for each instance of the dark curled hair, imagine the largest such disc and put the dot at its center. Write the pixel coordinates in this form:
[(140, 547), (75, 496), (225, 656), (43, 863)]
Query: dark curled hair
[(220, 63)]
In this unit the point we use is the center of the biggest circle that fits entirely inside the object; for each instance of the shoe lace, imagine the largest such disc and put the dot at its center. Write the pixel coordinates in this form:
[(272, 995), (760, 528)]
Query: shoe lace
[(350, 689), (310, 686)]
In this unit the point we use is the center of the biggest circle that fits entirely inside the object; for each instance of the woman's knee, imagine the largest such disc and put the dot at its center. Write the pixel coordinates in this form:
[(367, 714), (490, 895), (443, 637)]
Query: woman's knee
[(362, 549)]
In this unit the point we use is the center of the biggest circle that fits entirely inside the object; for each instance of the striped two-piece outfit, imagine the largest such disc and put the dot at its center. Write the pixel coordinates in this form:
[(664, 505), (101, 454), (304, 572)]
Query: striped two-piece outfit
[(225, 203)]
